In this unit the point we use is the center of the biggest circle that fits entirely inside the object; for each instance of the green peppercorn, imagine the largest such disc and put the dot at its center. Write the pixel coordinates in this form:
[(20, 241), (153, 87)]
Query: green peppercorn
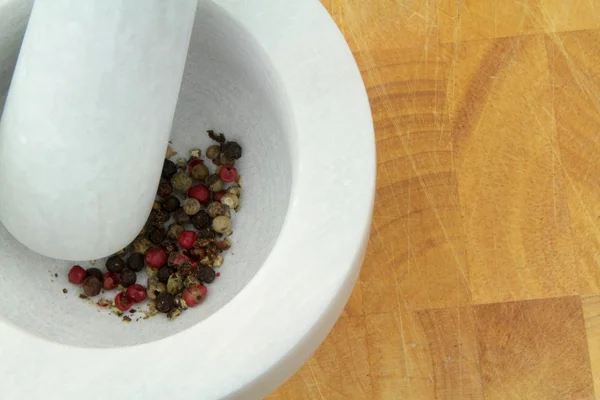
[(156, 288), (216, 209), (190, 281), (230, 200), (181, 181), (115, 264), (181, 163), (222, 224), (235, 190), (164, 188), (165, 302), (201, 220), (213, 152), (175, 284), (127, 277), (214, 183), (169, 169), (171, 204), (174, 231), (141, 245), (195, 153), (191, 206), (200, 172), (135, 262)]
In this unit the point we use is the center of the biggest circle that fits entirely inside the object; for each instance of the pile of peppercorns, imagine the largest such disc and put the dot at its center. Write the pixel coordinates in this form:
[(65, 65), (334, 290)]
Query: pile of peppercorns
[(183, 240)]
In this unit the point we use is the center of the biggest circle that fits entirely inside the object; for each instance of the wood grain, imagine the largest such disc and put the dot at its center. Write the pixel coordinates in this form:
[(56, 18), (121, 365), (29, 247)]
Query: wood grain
[(482, 278)]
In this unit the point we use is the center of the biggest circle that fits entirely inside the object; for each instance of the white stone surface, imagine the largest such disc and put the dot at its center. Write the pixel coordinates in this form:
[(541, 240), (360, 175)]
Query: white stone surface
[(277, 76), (87, 120)]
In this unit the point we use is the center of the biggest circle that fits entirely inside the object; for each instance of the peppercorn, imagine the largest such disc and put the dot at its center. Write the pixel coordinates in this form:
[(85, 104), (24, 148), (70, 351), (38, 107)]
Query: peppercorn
[(206, 274), (135, 262), (77, 274), (136, 293), (231, 150), (155, 288), (127, 277), (214, 183), (206, 233), (217, 196), (191, 280), (92, 286), (201, 220), (226, 162), (220, 138), (141, 245), (216, 209), (230, 200), (122, 302), (187, 239), (94, 272), (181, 181), (175, 283), (110, 280), (191, 206), (235, 190), (169, 247), (213, 152), (165, 302), (157, 235), (115, 264), (199, 172), (171, 204), (200, 193), (169, 169), (174, 231), (195, 153), (156, 258), (181, 217), (159, 217), (222, 224), (164, 188), (163, 274), (181, 163), (224, 244), (197, 253)]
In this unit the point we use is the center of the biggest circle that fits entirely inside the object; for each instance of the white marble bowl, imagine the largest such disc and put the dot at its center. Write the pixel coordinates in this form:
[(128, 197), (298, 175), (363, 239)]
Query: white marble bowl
[(278, 77)]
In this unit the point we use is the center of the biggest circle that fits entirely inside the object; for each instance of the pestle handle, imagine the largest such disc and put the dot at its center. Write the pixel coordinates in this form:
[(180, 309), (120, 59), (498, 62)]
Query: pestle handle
[(87, 121)]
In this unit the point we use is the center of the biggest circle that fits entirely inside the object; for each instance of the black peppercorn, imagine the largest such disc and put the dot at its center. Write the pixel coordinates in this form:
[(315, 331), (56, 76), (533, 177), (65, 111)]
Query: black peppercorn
[(206, 274), (94, 272), (169, 247), (115, 264), (181, 217), (201, 220), (157, 235), (159, 217), (91, 286), (165, 302), (171, 204), (127, 277), (164, 188), (169, 169), (231, 150), (206, 233), (135, 262), (163, 274)]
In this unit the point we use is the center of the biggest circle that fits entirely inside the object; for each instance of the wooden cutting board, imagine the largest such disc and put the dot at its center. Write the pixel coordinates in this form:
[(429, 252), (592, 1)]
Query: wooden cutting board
[(482, 280)]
